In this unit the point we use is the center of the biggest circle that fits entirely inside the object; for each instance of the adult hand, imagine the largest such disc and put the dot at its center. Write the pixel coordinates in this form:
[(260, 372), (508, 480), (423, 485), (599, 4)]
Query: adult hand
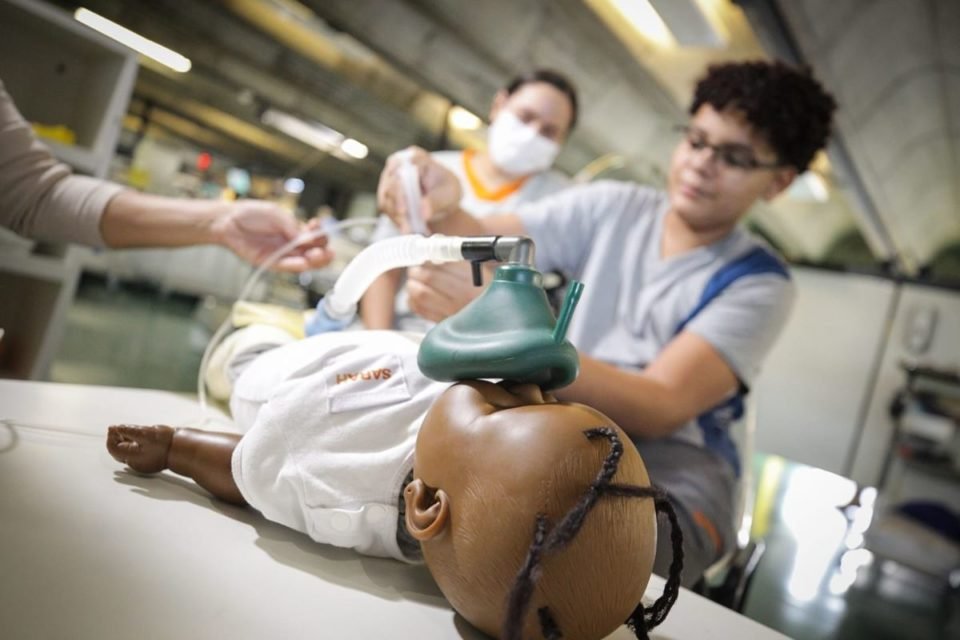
[(439, 188), (255, 229), (438, 291)]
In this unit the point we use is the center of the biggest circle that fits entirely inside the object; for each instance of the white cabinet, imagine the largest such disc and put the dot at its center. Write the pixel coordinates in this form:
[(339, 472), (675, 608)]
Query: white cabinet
[(58, 72)]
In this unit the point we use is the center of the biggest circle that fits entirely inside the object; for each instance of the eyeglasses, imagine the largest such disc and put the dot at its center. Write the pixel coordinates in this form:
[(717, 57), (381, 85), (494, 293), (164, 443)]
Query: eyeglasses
[(734, 156)]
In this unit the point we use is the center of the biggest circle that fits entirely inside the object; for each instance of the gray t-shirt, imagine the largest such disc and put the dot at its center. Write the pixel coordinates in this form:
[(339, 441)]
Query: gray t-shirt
[(607, 235)]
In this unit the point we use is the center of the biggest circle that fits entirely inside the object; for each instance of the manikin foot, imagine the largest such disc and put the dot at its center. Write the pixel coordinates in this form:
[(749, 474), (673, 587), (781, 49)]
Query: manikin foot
[(143, 449)]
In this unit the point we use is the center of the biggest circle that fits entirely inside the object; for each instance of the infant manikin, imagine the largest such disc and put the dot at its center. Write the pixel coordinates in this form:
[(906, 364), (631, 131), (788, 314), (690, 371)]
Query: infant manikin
[(534, 517)]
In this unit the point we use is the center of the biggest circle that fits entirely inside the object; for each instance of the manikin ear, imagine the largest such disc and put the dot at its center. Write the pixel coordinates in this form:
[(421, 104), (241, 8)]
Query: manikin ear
[(427, 510), (499, 99), (782, 178)]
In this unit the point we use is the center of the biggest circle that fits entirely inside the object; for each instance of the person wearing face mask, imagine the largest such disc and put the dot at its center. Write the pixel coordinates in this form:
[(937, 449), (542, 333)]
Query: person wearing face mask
[(680, 303), (530, 119)]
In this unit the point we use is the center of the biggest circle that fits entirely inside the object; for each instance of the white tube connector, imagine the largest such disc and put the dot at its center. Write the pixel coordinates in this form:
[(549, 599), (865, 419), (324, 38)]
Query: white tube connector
[(401, 251)]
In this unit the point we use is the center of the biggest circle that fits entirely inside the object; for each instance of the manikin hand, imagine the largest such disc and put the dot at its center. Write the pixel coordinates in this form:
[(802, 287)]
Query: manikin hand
[(204, 456), (143, 449), (254, 229), (440, 189)]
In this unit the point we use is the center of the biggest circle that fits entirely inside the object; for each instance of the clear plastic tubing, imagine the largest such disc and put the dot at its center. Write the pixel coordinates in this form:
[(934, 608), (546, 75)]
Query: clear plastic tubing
[(271, 260)]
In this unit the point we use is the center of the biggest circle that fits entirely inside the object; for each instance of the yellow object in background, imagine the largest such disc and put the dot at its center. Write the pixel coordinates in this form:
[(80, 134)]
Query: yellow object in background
[(138, 177), (56, 132), (768, 489), (290, 320)]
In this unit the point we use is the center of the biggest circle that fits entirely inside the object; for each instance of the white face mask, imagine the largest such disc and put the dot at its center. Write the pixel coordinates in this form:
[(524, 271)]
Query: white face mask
[(517, 148)]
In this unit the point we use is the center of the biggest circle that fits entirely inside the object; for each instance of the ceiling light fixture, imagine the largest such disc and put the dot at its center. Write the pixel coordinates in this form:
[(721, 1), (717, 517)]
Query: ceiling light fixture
[(149, 48), (460, 118), (641, 15), (312, 133), (316, 135), (354, 148)]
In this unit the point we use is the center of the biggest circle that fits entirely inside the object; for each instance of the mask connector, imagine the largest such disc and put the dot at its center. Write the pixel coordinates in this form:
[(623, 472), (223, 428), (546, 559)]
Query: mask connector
[(506, 249)]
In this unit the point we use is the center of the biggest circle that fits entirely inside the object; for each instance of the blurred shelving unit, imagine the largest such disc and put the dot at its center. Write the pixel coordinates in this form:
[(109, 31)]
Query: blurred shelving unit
[(915, 536), (923, 458), (59, 73)]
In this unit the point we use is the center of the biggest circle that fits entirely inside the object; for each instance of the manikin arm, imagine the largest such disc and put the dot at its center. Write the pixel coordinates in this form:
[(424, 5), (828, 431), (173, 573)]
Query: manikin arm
[(203, 456)]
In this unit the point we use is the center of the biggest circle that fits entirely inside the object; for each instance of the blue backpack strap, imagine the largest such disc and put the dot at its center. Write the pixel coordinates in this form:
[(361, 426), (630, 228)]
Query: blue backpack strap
[(715, 423), (755, 262), (715, 426)]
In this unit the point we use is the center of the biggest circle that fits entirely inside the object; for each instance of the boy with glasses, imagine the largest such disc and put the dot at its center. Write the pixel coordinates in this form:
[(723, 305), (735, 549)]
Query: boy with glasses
[(680, 304)]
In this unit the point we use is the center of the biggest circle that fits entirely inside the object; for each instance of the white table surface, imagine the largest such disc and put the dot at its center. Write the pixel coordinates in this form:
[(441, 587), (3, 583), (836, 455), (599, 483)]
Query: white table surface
[(89, 550)]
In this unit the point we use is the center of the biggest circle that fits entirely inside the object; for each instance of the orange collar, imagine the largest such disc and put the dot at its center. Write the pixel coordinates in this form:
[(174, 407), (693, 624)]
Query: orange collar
[(478, 187)]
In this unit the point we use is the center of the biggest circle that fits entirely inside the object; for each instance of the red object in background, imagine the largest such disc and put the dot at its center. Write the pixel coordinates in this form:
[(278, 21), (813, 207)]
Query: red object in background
[(203, 161)]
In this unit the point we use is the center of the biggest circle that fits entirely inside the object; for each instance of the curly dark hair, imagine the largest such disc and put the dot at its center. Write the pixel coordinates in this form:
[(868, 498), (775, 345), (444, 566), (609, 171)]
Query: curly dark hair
[(784, 104)]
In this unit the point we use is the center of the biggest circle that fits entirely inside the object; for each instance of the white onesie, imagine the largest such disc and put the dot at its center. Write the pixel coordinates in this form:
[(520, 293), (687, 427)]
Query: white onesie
[(330, 424)]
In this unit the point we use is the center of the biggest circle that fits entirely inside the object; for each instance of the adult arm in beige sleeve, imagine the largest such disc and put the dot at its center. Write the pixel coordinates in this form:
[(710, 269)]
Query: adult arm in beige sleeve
[(252, 229), (39, 197), (42, 200)]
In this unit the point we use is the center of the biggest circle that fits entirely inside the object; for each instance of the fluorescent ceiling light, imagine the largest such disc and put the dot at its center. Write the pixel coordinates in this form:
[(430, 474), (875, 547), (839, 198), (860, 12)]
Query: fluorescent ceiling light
[(315, 134), (460, 118), (641, 15), (312, 133), (135, 41), (354, 148)]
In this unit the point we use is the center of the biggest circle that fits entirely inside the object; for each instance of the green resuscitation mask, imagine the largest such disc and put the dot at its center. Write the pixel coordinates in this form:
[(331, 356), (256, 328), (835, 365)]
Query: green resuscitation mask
[(507, 333)]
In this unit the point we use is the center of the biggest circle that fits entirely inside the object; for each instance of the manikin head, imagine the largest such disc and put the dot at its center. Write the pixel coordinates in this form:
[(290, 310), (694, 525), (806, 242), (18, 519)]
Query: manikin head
[(499, 466)]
